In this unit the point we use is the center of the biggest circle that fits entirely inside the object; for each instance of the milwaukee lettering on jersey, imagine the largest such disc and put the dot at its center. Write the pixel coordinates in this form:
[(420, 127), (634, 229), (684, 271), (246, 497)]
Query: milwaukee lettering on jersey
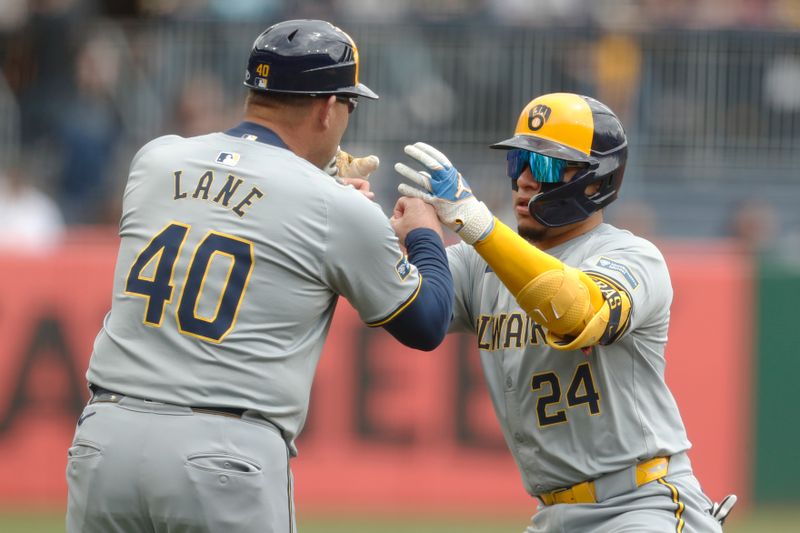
[(508, 330)]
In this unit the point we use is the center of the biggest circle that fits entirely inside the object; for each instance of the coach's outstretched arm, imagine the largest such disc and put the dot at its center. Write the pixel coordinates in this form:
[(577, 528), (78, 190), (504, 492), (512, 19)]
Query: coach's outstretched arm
[(563, 299), (424, 322)]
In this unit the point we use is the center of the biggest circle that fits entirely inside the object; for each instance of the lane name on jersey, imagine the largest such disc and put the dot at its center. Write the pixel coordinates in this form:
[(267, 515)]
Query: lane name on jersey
[(222, 191)]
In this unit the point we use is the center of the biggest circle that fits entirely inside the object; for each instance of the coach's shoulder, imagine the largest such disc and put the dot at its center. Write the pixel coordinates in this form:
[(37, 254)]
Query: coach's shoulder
[(164, 140)]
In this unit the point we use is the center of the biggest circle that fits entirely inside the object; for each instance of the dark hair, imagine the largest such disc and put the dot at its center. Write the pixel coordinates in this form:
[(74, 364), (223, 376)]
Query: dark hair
[(273, 99)]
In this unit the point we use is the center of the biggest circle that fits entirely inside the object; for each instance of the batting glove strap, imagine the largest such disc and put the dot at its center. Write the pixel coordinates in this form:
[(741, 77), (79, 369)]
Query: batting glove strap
[(476, 222), (721, 510)]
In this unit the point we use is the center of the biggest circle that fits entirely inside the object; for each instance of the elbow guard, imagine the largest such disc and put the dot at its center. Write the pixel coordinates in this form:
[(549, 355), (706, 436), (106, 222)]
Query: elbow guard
[(560, 301)]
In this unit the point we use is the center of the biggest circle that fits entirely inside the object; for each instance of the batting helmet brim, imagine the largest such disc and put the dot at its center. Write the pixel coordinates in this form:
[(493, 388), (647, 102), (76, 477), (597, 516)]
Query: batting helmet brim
[(544, 147)]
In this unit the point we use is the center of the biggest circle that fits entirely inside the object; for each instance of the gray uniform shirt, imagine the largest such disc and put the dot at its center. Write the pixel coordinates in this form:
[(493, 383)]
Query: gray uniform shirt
[(567, 416), (232, 256)]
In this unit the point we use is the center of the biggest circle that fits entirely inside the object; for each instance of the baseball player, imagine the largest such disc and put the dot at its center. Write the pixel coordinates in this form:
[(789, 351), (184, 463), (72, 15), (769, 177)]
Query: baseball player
[(571, 317), (235, 247)]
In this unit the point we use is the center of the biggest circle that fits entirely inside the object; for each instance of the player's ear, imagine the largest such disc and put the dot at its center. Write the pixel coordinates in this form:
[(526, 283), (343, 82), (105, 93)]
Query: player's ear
[(325, 111)]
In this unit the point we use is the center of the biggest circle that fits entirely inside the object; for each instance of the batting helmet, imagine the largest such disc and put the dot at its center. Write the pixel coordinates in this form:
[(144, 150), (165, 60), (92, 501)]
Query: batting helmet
[(568, 130), (305, 57)]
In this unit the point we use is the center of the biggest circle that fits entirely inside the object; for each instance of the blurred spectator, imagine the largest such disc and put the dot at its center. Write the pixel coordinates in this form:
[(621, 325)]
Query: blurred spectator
[(29, 219), (638, 217), (754, 225), (786, 12), (38, 60), (13, 14), (372, 10), (618, 64), (538, 12), (236, 10), (201, 107), (781, 80), (319, 9), (88, 132), (244, 10), (169, 8)]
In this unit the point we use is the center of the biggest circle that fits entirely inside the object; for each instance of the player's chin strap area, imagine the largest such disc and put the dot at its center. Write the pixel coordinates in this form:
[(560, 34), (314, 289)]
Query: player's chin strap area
[(561, 204)]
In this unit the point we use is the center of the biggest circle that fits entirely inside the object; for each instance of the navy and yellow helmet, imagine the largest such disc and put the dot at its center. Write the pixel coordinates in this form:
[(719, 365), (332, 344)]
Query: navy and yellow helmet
[(570, 130), (305, 57)]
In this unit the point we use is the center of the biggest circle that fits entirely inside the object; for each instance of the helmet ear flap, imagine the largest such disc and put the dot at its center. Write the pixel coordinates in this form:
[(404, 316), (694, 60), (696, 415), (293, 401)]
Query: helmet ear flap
[(561, 204)]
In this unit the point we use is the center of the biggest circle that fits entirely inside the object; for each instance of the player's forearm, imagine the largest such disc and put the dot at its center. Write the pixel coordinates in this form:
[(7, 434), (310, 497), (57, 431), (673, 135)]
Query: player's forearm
[(516, 262), (424, 323), (563, 299), (575, 310)]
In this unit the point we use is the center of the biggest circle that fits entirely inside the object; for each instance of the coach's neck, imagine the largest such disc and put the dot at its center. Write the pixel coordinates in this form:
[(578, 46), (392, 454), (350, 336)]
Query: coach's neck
[(311, 127)]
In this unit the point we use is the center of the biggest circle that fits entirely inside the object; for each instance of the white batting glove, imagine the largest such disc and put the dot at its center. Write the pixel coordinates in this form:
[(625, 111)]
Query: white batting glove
[(447, 191), (721, 510)]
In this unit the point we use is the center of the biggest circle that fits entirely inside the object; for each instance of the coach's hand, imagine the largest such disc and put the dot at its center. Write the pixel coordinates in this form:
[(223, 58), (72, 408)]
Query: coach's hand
[(353, 171), (344, 165), (447, 191), (349, 167), (410, 214)]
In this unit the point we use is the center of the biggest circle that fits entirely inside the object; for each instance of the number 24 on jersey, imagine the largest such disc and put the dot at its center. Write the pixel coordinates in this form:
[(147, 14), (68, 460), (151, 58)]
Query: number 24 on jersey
[(581, 391)]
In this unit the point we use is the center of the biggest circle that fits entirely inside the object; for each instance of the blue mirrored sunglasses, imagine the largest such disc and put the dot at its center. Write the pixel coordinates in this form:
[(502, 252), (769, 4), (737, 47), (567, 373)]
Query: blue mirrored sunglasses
[(545, 169)]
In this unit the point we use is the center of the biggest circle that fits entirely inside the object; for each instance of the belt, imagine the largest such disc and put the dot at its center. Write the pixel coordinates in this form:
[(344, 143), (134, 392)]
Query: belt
[(586, 492), (99, 395)]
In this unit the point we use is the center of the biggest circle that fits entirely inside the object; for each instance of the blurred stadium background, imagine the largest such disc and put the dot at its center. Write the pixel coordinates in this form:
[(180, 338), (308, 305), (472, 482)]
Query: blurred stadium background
[(709, 91)]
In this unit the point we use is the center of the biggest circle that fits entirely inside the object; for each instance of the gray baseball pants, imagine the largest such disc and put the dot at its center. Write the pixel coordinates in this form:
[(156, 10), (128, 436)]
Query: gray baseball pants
[(142, 466)]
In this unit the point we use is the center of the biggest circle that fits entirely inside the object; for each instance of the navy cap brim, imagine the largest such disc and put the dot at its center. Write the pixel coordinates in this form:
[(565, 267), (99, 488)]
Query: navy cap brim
[(359, 90)]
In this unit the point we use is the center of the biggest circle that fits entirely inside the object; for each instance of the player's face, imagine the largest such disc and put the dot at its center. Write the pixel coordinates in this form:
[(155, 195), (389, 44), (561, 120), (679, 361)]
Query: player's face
[(527, 226)]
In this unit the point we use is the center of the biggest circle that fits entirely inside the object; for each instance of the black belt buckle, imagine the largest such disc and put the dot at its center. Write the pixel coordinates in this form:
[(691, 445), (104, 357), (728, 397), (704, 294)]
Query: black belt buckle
[(99, 394)]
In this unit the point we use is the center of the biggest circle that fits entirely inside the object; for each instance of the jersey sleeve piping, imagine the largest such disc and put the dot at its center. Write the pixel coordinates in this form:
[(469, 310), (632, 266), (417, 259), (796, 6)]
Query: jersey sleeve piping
[(398, 310)]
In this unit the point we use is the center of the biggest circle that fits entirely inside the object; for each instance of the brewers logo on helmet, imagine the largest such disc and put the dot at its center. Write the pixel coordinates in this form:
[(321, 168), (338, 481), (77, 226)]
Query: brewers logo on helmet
[(561, 130), (305, 57)]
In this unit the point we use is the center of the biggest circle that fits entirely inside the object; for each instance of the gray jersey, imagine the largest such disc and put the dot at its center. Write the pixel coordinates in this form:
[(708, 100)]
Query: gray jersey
[(571, 416), (232, 257)]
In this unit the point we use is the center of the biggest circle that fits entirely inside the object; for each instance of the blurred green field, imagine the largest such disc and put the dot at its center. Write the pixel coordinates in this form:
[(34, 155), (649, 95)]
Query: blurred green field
[(763, 520)]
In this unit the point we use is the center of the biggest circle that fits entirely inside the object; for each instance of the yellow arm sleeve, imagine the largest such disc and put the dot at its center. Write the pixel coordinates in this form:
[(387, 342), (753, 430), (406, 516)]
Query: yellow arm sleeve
[(517, 262), (563, 299)]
